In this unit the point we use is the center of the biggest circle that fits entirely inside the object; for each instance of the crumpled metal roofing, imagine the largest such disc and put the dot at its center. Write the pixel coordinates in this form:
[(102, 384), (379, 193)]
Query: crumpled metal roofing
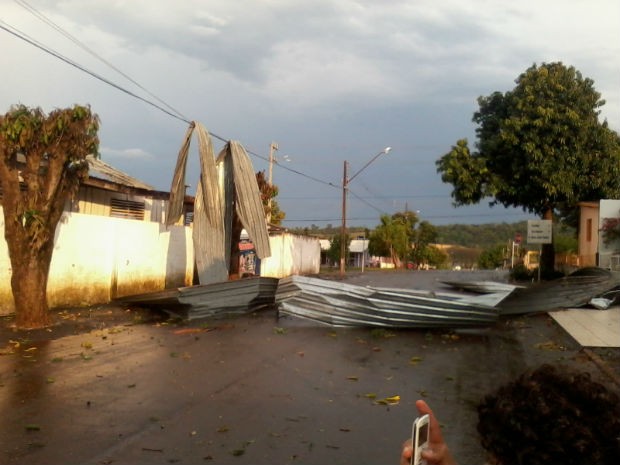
[(343, 304), (225, 298), (226, 184)]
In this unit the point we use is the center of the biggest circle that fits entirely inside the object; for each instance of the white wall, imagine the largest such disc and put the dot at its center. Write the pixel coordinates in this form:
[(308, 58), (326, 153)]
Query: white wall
[(607, 209), (291, 255), (98, 258)]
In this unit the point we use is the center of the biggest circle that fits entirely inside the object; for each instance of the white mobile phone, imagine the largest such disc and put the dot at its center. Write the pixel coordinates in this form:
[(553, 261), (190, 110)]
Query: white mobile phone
[(419, 438)]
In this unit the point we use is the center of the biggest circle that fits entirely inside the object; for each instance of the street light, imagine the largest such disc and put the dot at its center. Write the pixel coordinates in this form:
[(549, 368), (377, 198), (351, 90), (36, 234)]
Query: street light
[(345, 186)]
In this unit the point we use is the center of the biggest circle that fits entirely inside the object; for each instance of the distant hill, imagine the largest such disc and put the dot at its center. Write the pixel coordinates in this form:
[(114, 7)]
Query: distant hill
[(480, 236), (474, 236)]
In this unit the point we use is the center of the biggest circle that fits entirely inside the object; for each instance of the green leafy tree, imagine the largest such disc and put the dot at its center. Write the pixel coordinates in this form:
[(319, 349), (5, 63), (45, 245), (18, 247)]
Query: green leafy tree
[(539, 146), (424, 235), (333, 253), (394, 236), (268, 194), (42, 161), (433, 256), (492, 258)]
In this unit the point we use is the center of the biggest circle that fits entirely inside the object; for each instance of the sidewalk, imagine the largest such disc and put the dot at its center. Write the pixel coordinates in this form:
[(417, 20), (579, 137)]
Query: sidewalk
[(591, 327)]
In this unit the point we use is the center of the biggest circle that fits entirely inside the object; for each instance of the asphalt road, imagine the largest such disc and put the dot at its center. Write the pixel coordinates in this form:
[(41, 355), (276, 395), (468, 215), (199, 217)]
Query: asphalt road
[(257, 389)]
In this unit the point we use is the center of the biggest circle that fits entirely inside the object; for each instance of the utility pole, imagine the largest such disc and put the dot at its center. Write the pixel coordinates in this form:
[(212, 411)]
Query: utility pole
[(273, 147), (343, 229), (272, 158), (345, 187)]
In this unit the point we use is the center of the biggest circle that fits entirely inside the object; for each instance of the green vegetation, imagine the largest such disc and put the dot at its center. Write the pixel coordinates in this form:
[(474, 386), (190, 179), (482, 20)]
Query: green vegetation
[(480, 236), (492, 258), (539, 146)]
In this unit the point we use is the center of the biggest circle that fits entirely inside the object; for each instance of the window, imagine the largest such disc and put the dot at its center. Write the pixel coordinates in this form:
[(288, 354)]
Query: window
[(589, 230), (126, 209)]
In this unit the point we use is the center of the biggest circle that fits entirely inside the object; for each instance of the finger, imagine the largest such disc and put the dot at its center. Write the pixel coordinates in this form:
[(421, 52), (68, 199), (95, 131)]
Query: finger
[(435, 430), (423, 407), (406, 453)]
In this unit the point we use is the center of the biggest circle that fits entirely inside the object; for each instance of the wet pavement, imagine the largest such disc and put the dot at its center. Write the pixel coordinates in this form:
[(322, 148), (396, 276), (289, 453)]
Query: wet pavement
[(258, 389)]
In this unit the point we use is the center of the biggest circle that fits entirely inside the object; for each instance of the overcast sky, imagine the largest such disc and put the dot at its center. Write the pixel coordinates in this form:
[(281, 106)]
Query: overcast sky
[(328, 80)]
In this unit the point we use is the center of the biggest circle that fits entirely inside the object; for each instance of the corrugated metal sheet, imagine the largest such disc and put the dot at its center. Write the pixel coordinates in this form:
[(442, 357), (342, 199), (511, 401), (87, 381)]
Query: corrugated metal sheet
[(249, 205), (177, 189), (227, 189), (574, 290), (342, 304), (209, 234), (211, 300), (481, 287)]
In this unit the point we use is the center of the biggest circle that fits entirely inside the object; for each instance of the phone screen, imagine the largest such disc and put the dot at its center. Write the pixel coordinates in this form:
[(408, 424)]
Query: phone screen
[(424, 432)]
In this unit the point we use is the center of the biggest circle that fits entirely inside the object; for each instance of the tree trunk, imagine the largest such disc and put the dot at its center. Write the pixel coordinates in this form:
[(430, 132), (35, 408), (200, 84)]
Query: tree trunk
[(233, 266), (547, 256), (29, 286)]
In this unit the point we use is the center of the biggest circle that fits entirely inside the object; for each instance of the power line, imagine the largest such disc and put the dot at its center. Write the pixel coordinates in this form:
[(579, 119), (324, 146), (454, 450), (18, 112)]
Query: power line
[(17, 33), (482, 215), (23, 36), (84, 47), (382, 212)]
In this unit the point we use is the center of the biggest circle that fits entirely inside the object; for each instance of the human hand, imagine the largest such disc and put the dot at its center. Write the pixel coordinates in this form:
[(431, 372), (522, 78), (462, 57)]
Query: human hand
[(437, 452)]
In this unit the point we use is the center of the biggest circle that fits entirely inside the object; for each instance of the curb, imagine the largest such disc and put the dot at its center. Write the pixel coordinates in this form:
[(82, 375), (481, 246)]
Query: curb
[(599, 362)]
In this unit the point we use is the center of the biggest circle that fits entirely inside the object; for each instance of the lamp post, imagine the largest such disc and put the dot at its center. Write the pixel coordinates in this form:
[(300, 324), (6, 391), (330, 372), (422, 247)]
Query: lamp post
[(345, 187)]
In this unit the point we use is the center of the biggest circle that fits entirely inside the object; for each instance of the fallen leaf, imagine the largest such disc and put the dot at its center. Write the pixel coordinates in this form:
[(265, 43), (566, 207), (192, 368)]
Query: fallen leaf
[(393, 400), (415, 360), (32, 427), (352, 378), (192, 330), (549, 345)]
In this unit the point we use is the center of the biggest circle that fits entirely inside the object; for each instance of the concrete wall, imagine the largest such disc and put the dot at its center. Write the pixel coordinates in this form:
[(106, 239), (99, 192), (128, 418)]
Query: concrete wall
[(292, 255), (607, 209), (588, 233), (98, 258)]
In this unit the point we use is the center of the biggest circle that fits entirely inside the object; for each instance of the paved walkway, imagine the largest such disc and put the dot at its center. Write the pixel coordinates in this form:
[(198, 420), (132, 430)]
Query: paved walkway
[(591, 327)]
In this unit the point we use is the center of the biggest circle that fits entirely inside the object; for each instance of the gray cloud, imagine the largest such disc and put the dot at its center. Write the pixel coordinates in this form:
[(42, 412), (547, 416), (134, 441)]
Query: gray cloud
[(328, 80)]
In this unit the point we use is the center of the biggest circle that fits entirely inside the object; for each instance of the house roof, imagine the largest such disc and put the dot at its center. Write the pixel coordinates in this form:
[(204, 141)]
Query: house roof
[(104, 176), (101, 170)]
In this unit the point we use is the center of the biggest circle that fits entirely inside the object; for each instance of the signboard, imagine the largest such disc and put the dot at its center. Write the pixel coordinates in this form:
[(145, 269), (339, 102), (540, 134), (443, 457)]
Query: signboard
[(539, 232)]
